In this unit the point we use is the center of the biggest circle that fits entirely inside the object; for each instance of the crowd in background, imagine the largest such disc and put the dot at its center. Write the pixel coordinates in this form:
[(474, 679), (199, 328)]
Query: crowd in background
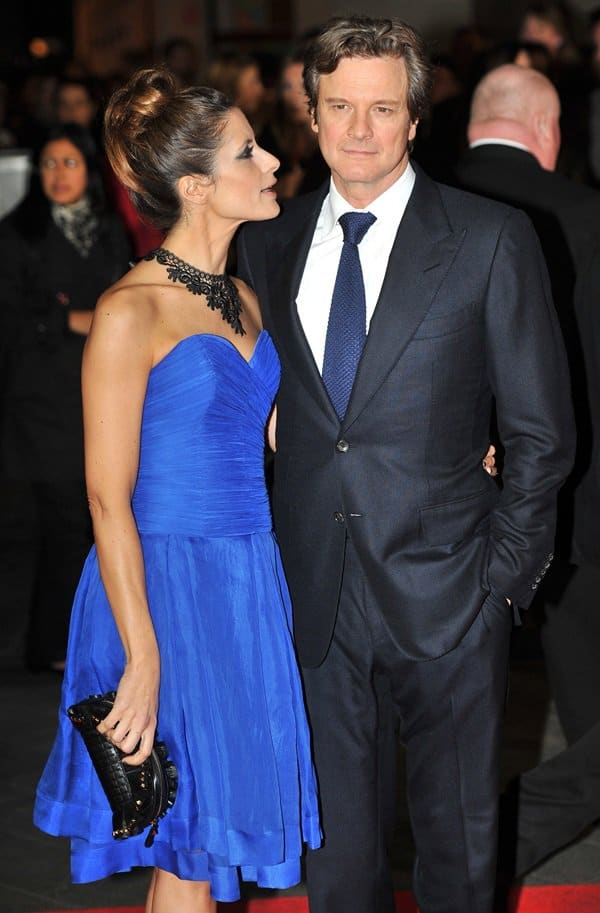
[(267, 86)]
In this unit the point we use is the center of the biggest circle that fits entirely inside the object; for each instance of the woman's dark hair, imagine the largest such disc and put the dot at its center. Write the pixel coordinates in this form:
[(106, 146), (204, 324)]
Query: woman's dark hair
[(33, 214), (155, 133)]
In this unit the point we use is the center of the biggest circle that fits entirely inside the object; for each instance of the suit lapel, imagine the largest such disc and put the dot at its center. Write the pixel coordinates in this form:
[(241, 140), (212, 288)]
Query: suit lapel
[(290, 335), (423, 251)]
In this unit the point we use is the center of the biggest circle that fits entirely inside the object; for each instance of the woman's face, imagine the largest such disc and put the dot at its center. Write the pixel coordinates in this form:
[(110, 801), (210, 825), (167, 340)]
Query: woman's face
[(63, 172), (244, 179)]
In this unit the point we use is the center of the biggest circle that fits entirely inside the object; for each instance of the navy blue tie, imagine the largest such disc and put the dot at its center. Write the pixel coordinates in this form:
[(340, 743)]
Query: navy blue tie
[(347, 326)]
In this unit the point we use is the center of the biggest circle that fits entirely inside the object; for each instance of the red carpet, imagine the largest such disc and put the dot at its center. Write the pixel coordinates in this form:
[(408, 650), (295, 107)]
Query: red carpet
[(583, 898)]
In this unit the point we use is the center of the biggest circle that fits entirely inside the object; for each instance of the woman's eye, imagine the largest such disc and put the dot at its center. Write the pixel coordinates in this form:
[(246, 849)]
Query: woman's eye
[(49, 164), (247, 153), (71, 163)]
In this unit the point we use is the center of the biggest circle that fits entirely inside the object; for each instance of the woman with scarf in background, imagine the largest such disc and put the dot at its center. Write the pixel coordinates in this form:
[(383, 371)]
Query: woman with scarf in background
[(59, 250)]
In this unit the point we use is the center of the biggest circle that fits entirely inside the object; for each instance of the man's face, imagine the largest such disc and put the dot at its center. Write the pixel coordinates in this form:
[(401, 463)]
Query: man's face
[(363, 125)]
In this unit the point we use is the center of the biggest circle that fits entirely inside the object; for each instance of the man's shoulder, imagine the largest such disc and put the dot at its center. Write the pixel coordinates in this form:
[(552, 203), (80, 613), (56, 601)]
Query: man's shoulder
[(474, 209), (516, 176)]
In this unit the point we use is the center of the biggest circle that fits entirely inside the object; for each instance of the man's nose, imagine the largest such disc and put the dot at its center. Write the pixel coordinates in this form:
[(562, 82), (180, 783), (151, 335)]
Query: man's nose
[(360, 126)]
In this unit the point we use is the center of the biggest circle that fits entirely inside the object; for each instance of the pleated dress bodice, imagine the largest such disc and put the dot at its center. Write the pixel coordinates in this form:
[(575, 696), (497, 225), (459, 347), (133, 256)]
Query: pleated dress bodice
[(201, 469)]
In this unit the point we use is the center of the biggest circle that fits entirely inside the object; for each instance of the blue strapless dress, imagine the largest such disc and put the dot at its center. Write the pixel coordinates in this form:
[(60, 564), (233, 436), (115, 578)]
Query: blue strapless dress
[(231, 709)]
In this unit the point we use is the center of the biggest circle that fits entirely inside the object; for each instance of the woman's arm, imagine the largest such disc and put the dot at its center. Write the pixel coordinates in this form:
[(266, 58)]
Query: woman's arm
[(117, 360), (272, 430)]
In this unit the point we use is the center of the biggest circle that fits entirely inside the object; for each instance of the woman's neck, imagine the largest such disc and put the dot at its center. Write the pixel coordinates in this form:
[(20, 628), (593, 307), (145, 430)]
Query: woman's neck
[(200, 247)]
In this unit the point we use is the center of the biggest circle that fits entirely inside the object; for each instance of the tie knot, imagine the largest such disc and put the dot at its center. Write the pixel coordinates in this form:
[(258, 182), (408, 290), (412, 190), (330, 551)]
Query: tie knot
[(355, 225)]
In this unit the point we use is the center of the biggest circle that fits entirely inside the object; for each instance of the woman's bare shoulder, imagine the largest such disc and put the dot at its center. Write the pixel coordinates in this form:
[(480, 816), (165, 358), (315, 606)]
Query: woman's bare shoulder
[(130, 302), (124, 321)]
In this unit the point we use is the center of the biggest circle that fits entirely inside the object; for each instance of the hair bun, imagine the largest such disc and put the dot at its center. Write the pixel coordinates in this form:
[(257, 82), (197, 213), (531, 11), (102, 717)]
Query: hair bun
[(129, 114), (146, 96)]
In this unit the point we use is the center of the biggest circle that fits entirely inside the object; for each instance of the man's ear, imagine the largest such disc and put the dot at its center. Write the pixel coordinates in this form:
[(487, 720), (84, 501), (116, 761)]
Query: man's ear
[(193, 188), (546, 131), (314, 124), (541, 125)]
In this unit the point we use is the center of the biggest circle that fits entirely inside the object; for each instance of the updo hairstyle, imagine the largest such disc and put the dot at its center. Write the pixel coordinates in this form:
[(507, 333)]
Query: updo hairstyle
[(155, 133)]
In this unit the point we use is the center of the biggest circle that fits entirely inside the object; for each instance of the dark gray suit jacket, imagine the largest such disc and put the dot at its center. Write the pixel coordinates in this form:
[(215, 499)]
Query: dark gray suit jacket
[(464, 321), (566, 216)]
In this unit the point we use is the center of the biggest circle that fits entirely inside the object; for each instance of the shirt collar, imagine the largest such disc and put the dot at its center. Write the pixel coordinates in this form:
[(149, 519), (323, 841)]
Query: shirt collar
[(496, 141), (388, 205)]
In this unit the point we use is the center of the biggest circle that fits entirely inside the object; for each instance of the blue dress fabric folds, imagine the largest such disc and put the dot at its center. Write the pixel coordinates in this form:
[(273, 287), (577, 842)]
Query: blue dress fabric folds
[(231, 707)]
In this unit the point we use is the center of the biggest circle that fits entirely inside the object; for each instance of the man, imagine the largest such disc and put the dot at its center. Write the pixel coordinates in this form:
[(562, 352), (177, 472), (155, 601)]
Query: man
[(514, 138), (514, 142), (400, 551)]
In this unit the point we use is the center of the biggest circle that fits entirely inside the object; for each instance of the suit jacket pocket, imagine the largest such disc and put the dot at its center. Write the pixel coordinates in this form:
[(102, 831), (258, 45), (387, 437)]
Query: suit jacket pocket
[(444, 324), (444, 524)]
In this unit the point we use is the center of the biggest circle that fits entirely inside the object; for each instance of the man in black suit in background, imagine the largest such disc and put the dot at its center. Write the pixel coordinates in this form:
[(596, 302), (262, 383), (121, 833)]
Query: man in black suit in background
[(514, 137), (401, 553)]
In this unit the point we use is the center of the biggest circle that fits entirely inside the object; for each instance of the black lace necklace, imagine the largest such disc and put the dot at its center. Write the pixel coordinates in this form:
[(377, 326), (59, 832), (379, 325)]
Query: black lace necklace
[(220, 290)]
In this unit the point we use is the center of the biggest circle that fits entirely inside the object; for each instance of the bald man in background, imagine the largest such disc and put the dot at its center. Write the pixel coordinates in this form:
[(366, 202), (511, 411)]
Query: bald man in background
[(514, 142), (514, 139)]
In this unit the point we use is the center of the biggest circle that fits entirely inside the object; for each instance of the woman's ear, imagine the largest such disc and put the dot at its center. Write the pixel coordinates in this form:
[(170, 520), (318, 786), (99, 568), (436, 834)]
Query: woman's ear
[(194, 188)]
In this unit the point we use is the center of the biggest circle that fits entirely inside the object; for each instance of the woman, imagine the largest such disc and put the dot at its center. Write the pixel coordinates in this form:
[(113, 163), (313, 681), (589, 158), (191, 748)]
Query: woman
[(290, 136), (59, 250), (238, 76), (182, 601)]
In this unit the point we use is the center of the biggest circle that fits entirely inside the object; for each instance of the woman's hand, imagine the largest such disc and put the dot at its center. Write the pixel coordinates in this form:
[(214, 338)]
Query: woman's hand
[(489, 462), (131, 724)]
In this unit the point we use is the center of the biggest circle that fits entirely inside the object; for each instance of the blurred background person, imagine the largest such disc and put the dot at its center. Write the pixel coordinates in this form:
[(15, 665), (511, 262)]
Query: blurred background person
[(182, 59), (238, 76), (441, 139), (551, 24), (288, 134), (77, 101), (33, 108), (556, 25), (59, 250)]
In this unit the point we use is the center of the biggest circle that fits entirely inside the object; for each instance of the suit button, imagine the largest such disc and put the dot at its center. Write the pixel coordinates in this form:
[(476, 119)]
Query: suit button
[(342, 446), (339, 517)]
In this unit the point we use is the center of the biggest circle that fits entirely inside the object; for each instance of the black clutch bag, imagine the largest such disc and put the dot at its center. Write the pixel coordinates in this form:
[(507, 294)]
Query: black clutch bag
[(138, 795)]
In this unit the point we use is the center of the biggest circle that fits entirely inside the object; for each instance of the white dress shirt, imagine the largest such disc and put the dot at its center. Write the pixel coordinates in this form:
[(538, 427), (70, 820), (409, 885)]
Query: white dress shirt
[(316, 287)]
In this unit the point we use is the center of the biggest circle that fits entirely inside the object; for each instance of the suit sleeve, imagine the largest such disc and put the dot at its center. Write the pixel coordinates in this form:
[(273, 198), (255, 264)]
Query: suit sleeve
[(528, 373)]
